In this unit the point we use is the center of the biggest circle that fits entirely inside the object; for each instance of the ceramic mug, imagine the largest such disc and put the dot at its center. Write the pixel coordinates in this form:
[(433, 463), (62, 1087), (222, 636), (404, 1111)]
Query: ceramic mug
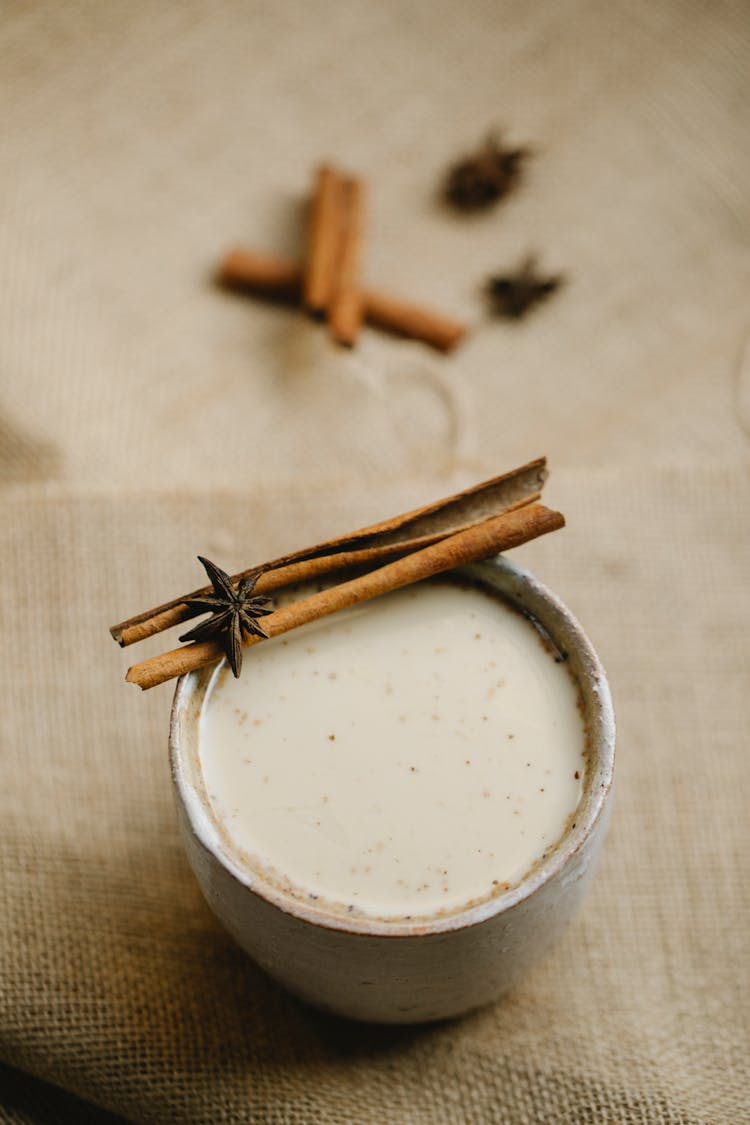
[(408, 972)]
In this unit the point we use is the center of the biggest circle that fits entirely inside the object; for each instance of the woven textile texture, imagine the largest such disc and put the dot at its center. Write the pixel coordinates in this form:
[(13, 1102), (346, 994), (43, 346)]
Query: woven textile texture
[(146, 417), (119, 986)]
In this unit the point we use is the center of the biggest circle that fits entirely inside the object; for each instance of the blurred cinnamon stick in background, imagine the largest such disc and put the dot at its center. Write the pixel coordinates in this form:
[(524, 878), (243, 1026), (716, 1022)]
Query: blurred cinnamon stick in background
[(279, 279), (324, 240), (328, 282), (346, 310)]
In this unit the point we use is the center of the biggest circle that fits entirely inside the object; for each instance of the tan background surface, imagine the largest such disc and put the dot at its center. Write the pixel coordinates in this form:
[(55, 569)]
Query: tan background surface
[(145, 417)]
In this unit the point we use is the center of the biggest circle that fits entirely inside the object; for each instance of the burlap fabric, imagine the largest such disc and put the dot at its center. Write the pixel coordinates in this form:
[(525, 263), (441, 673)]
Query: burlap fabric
[(119, 986), (145, 417)]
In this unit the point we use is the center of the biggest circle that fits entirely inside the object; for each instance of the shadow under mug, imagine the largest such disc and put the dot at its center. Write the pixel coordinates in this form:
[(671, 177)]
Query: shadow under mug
[(408, 972)]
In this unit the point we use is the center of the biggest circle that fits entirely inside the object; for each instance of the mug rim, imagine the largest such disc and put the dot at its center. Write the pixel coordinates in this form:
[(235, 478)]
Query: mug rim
[(594, 687)]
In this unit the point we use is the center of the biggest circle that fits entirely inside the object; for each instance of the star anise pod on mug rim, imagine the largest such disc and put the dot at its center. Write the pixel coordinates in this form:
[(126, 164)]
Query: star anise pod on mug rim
[(513, 294), (486, 176), (233, 612)]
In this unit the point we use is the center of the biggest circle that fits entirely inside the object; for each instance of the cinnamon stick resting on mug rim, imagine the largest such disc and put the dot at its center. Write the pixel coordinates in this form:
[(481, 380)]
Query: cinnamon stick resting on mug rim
[(480, 541), (377, 543)]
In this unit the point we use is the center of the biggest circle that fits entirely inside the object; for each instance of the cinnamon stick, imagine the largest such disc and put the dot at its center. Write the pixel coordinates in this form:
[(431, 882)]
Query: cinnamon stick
[(482, 540), (378, 542), (394, 314), (346, 309), (324, 243), (267, 275)]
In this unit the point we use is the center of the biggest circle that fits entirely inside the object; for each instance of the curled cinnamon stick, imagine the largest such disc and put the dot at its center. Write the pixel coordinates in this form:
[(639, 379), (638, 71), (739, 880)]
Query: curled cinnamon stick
[(324, 244), (482, 540), (394, 314), (267, 275), (346, 309), (369, 545)]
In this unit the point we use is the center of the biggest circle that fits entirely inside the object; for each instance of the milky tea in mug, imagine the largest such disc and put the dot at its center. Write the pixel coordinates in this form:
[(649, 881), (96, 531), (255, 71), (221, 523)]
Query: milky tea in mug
[(396, 770)]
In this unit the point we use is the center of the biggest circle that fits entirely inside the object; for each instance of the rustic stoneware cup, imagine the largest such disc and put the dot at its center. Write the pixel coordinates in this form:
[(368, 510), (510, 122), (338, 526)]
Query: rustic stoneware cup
[(404, 972)]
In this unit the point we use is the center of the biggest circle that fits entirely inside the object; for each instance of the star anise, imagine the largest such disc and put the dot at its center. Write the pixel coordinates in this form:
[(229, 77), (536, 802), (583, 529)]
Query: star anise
[(513, 294), (233, 612), (486, 176)]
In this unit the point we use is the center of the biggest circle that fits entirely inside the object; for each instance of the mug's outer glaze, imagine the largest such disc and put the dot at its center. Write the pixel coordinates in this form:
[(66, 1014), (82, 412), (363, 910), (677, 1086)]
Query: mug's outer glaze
[(409, 972)]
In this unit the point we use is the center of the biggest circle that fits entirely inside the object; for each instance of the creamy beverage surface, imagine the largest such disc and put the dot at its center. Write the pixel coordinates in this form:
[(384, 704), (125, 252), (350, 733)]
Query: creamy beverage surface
[(403, 758)]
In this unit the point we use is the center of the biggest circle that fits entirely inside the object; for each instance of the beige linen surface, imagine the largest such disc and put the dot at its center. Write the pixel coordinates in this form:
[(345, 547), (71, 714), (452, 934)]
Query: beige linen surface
[(118, 984), (142, 139), (145, 416)]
